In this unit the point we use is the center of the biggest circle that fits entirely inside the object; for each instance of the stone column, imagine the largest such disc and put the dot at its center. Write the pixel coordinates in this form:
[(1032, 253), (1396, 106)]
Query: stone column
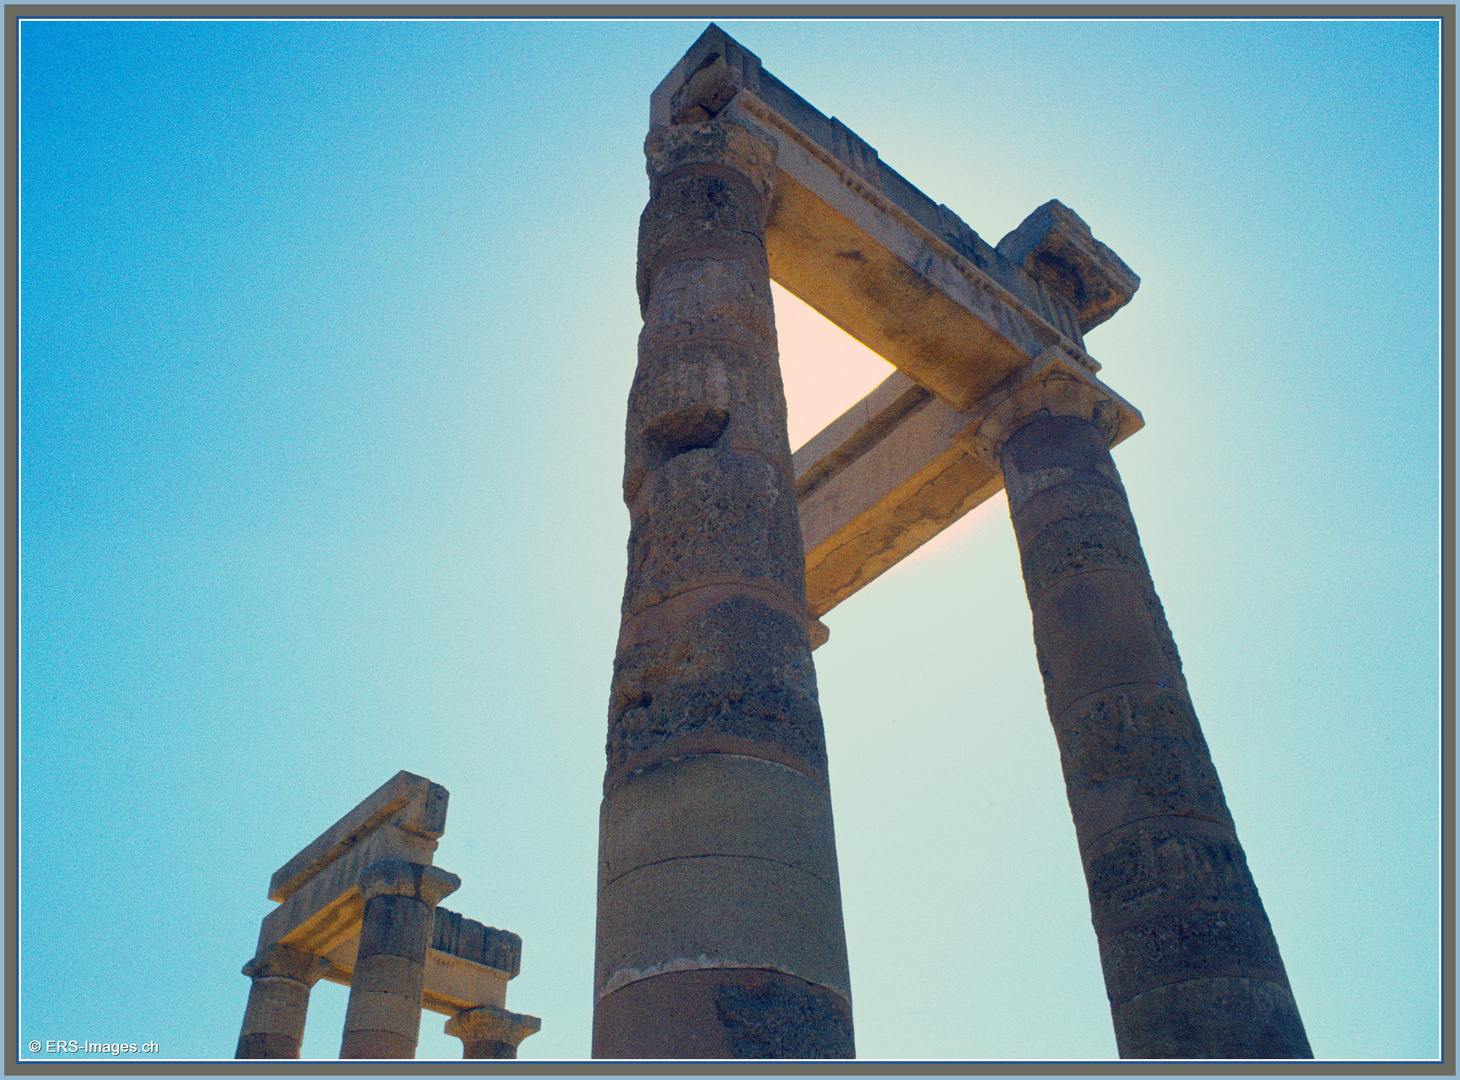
[(383, 1018), (491, 1032), (719, 909), (1191, 965), (273, 1023)]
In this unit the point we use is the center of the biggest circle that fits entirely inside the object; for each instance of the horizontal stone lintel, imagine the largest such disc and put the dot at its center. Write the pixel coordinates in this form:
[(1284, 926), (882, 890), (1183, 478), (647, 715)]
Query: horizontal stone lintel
[(410, 802), (315, 916), (451, 985), (928, 296), (1059, 281), (895, 470), (453, 982)]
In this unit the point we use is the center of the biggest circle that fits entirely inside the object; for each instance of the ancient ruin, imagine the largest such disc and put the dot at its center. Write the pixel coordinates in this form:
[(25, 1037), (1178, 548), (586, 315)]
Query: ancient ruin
[(719, 915), (359, 906)]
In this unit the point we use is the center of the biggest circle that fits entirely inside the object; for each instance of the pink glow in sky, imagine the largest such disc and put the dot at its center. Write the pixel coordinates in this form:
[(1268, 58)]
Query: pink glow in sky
[(826, 371)]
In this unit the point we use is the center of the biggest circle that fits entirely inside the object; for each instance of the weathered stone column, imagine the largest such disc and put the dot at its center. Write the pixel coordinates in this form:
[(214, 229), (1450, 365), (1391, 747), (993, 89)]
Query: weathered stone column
[(719, 909), (383, 1018), (491, 1032), (278, 1000), (1191, 965)]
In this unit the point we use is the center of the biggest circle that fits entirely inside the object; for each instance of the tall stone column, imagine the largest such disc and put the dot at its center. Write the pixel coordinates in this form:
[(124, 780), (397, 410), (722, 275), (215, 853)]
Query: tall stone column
[(383, 1018), (719, 908), (1191, 965), (278, 1000), (491, 1032)]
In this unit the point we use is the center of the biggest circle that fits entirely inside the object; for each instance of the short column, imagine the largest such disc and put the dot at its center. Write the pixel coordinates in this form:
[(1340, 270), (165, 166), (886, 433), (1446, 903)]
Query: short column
[(1191, 964), (383, 1019), (490, 1032), (273, 1023)]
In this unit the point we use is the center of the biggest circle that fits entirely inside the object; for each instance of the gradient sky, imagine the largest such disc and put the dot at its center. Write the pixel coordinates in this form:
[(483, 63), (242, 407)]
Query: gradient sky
[(327, 332)]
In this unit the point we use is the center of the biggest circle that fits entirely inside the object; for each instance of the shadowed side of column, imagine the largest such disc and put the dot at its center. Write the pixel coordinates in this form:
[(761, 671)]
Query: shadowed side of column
[(719, 914), (383, 1018), (1191, 964), (278, 1002)]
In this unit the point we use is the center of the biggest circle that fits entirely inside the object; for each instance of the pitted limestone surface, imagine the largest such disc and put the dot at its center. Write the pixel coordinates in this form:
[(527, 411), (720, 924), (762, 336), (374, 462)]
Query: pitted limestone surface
[(782, 1020), (743, 669), (266, 1044), (1162, 630), (282, 962), (719, 912), (1191, 944), (500, 950), (1149, 868), (692, 210), (1212, 1018), (384, 1010), (1074, 545), (1094, 632), (377, 1044), (1135, 753), (386, 973), (1054, 450), (1072, 499), (277, 1007), (705, 299), (398, 925), (713, 515), (668, 150), (697, 396), (717, 804), (677, 430)]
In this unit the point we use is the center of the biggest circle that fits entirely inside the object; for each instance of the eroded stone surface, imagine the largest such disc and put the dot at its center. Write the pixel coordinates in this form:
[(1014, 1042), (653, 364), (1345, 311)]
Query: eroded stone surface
[(1078, 545), (743, 670), (723, 1014), (1212, 1018), (384, 1012), (713, 515), (1054, 246), (491, 1032), (782, 1020), (1133, 753), (703, 394), (717, 804), (720, 911)]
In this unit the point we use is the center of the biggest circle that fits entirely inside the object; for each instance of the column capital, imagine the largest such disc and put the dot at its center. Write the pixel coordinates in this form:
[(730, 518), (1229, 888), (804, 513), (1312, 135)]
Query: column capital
[(282, 962), (489, 1023), (1054, 246), (713, 144), (1056, 383), (393, 877)]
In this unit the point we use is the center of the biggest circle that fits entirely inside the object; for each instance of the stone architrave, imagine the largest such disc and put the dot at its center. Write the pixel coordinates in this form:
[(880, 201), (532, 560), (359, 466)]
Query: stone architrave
[(1191, 964), (278, 1001), (719, 911), (383, 1018), (317, 891)]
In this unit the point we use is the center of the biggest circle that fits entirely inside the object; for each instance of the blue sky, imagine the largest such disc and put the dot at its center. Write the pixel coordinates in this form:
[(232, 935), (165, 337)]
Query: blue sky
[(327, 330)]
